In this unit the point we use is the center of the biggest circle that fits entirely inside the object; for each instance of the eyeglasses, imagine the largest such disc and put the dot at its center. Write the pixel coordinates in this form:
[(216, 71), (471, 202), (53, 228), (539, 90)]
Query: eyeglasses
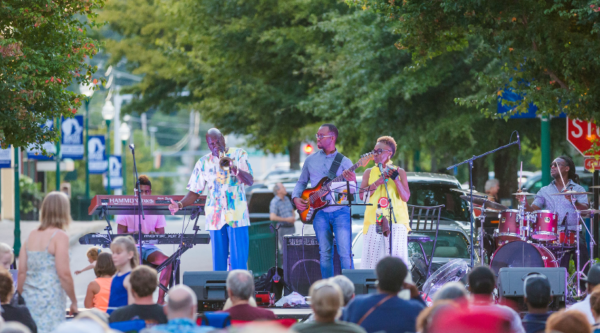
[(380, 151), (321, 137), (555, 165)]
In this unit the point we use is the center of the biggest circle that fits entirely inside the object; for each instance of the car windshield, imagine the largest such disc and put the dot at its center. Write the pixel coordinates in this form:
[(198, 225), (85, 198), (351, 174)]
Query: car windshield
[(435, 194), (450, 244)]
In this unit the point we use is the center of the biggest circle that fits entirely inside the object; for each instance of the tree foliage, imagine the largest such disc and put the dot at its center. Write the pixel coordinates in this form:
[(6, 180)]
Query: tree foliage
[(43, 49), (546, 51)]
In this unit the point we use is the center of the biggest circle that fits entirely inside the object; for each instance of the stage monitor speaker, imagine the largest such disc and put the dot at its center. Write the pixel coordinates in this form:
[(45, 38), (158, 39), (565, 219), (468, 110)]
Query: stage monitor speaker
[(511, 284), (301, 263), (210, 288), (364, 280)]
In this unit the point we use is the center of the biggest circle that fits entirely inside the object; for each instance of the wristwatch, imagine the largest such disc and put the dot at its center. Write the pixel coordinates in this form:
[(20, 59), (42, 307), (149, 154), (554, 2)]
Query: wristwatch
[(180, 204)]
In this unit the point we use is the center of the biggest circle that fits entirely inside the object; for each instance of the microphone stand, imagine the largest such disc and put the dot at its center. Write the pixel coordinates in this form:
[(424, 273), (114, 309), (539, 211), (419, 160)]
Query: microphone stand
[(141, 214), (470, 161), (392, 215)]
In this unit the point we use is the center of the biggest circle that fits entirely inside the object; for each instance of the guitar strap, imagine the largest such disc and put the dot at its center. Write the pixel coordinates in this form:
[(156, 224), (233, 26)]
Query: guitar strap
[(335, 165)]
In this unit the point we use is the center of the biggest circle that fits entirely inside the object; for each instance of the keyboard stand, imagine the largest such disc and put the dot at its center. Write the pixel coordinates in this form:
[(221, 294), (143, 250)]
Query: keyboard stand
[(175, 258), (108, 228)]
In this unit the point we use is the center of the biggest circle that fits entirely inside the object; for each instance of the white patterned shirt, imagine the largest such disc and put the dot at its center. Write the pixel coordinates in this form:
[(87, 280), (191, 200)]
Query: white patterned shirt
[(558, 203), (226, 198)]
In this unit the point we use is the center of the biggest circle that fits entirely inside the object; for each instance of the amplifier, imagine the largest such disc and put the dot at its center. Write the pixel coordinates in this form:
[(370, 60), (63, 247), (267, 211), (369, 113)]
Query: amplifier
[(511, 282), (301, 263)]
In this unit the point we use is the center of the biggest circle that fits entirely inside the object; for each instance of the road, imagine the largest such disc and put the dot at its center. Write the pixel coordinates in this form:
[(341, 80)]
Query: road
[(199, 258)]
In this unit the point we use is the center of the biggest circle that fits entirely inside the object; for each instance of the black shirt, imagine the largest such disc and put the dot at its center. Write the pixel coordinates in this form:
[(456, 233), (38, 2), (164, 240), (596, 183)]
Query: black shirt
[(152, 314), (19, 314)]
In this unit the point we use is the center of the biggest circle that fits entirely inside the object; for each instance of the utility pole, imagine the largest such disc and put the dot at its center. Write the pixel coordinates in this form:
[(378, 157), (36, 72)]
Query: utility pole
[(17, 231)]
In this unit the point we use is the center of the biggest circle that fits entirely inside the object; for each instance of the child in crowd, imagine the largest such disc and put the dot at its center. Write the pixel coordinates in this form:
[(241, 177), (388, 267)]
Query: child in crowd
[(98, 291), (6, 256), (125, 257), (92, 255)]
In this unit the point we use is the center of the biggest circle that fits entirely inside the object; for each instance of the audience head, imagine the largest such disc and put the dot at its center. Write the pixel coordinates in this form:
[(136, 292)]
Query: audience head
[(346, 286), (426, 317), (595, 302), (105, 265), (537, 292), (14, 327), (492, 186), (568, 322), (6, 256), (482, 281), (451, 291), (593, 277), (91, 321), (325, 300), (391, 272), (92, 253), (124, 250), (7, 288), (143, 280), (240, 285), (182, 303), (279, 189), (55, 211)]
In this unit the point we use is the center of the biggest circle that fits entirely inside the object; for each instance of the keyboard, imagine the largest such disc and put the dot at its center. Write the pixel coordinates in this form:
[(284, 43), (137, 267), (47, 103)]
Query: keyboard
[(153, 205), (104, 239)]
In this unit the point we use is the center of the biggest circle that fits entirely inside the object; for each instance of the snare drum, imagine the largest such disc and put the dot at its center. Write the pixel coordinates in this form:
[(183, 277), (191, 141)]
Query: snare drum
[(509, 228), (567, 237), (545, 225)]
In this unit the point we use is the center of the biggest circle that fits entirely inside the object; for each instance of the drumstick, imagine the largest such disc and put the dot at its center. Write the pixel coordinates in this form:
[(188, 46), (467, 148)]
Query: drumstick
[(561, 178)]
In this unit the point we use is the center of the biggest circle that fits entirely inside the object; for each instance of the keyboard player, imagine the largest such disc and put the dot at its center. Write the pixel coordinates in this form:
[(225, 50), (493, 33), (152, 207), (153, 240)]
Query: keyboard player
[(152, 224)]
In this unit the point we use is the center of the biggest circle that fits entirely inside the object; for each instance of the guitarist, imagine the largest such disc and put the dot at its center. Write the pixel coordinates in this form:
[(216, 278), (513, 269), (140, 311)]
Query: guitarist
[(327, 162)]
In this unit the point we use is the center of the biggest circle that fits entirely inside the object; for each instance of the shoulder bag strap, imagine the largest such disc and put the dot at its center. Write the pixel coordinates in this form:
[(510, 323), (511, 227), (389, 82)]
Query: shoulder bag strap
[(335, 165), (373, 308)]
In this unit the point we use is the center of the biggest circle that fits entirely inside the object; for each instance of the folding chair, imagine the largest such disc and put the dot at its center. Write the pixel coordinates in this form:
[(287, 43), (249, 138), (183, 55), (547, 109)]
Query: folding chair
[(423, 218)]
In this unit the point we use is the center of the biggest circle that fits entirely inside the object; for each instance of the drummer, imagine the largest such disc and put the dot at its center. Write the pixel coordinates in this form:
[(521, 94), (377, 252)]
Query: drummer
[(563, 168)]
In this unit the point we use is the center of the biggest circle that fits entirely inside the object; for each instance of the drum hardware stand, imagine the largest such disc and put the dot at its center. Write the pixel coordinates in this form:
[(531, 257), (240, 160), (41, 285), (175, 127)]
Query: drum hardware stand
[(578, 268), (470, 162), (481, 232)]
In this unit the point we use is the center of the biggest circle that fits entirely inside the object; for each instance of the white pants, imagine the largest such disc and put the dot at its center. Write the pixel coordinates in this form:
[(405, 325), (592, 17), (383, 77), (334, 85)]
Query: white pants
[(376, 246)]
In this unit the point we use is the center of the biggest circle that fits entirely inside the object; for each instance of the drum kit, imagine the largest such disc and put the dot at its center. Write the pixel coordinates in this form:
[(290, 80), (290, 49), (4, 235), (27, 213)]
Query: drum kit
[(531, 239)]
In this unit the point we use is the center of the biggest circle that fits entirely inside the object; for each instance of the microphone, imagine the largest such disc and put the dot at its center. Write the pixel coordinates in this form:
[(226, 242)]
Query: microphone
[(381, 171), (132, 147), (519, 140)]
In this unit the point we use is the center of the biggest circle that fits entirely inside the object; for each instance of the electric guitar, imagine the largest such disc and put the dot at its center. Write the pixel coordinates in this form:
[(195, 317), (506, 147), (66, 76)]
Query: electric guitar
[(316, 196)]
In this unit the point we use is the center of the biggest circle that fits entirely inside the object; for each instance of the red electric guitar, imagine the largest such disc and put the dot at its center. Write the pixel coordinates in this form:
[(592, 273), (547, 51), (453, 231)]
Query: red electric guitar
[(316, 196)]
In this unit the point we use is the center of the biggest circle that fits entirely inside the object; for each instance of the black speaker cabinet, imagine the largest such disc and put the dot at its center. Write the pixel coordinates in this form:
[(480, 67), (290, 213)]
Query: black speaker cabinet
[(364, 280), (301, 263), (511, 282), (210, 288)]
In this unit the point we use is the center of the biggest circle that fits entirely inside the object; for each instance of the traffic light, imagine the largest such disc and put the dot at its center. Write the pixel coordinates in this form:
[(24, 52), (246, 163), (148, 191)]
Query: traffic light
[(308, 149)]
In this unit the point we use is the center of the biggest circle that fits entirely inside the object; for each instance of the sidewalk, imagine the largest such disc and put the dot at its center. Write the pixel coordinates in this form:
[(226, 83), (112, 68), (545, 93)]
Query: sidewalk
[(75, 230)]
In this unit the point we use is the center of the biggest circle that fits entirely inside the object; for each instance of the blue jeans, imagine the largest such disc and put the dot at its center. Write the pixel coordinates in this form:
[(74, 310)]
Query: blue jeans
[(326, 224)]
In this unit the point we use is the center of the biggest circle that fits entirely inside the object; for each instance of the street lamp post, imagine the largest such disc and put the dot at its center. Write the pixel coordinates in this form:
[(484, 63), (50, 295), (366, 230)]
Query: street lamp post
[(125, 132), (108, 113), (88, 91)]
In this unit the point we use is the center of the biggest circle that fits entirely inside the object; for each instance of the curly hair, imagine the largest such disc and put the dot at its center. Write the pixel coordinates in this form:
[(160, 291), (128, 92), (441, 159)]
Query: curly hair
[(388, 140), (93, 252)]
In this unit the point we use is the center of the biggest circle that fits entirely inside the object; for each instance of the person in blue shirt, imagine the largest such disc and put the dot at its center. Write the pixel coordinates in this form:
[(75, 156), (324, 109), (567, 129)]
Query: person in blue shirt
[(385, 311), (181, 309), (537, 298)]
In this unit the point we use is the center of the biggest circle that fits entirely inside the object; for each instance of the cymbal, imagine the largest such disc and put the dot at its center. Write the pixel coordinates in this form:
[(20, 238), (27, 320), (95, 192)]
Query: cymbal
[(523, 193), (468, 192), (595, 186), (488, 212), (571, 193), (588, 212), (482, 201)]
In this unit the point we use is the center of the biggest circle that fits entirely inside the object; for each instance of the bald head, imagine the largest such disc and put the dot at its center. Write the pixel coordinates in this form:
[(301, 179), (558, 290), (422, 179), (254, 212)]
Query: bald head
[(182, 302)]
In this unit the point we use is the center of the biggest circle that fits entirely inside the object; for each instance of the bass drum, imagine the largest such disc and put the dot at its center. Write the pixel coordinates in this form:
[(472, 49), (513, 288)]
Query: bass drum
[(522, 254)]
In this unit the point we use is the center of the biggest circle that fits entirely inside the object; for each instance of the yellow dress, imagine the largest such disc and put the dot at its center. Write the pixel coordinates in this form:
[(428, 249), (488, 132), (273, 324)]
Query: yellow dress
[(376, 246)]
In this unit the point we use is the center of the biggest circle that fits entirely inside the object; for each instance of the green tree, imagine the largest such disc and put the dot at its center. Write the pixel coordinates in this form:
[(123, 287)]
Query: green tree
[(43, 48), (546, 51)]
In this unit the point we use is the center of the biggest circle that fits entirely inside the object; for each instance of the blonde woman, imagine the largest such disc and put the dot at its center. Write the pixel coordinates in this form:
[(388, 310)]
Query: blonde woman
[(44, 272), (376, 246)]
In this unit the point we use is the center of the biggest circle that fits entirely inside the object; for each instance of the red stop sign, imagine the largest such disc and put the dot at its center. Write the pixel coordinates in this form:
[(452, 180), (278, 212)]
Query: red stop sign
[(581, 133)]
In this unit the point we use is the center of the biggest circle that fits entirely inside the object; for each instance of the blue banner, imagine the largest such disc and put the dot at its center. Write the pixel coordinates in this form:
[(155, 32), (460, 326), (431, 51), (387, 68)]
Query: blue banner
[(36, 154), (98, 164), (116, 179), (510, 96), (5, 158), (72, 138)]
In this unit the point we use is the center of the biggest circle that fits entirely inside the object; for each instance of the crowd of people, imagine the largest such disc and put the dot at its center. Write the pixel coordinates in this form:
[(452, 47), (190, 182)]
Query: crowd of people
[(123, 292)]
